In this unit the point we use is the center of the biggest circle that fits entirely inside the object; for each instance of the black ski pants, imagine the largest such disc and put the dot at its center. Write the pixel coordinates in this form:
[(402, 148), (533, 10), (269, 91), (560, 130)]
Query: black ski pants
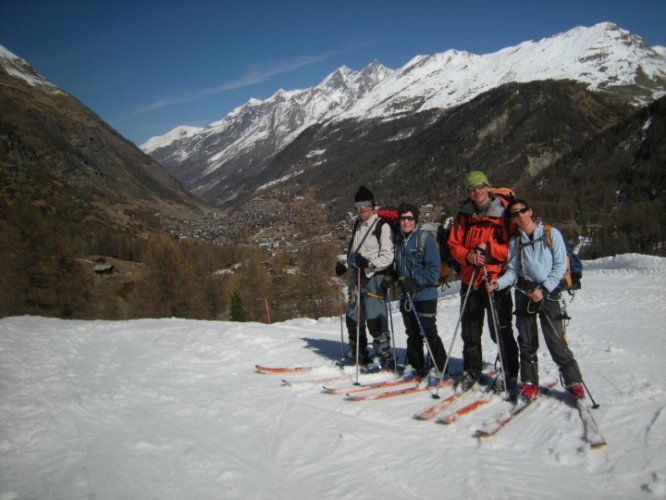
[(427, 312), (478, 306), (550, 317)]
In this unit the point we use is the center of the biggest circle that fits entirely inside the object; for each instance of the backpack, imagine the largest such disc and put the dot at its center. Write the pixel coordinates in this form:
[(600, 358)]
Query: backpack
[(503, 192), (505, 195), (574, 266)]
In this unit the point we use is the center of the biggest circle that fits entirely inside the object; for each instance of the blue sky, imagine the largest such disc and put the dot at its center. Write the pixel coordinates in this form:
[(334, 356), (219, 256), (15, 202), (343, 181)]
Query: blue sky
[(146, 67)]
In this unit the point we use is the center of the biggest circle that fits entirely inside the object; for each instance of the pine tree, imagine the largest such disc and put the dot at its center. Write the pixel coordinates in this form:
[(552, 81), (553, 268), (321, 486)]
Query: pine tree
[(237, 312)]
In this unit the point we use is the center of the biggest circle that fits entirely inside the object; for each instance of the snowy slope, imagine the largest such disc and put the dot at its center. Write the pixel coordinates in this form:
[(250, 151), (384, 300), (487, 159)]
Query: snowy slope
[(173, 409)]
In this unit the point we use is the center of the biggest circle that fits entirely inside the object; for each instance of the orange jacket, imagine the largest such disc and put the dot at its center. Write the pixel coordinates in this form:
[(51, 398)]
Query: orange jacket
[(471, 230)]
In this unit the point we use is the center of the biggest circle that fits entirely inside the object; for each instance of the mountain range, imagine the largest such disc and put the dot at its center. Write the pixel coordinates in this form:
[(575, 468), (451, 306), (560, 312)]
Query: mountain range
[(337, 133)]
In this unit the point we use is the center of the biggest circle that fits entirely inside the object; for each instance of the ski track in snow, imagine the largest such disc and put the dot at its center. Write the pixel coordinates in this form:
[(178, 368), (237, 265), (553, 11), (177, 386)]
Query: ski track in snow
[(174, 409)]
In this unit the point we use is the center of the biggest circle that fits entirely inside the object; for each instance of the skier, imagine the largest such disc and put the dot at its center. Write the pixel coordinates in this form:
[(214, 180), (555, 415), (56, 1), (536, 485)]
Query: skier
[(479, 243), (417, 267), (370, 255), (536, 269)]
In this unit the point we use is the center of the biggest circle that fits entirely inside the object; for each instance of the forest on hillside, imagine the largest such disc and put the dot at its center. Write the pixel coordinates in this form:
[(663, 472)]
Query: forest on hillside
[(53, 272)]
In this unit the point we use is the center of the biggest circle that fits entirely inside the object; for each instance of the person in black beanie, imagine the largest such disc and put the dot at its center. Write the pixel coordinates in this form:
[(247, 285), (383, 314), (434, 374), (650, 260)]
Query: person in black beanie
[(370, 255), (417, 267)]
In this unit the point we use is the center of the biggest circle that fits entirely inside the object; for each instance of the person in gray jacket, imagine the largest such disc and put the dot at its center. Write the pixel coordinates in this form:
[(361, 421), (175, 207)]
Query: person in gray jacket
[(370, 256), (536, 269)]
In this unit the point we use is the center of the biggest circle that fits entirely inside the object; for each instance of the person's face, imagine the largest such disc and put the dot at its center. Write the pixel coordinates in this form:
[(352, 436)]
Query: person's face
[(478, 194), (363, 209), (407, 222), (521, 215)]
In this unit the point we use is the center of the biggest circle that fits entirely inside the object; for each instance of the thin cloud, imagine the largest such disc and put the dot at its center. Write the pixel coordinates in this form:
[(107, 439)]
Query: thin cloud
[(258, 74)]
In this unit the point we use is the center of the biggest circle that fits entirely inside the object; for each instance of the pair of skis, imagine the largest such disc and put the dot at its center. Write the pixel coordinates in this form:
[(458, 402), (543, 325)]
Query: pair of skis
[(591, 431), (440, 408), (394, 386), (482, 397), (325, 379)]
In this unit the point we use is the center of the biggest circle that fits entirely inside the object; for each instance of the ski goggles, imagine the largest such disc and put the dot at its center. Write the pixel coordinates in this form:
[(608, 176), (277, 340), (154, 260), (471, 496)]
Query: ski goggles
[(363, 204)]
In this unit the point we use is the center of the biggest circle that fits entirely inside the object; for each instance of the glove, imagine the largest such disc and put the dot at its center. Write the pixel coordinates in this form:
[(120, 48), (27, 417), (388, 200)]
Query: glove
[(387, 282), (361, 262), (340, 269), (408, 285)]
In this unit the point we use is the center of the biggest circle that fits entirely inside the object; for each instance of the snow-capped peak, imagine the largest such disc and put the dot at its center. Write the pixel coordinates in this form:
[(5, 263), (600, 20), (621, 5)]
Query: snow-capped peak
[(176, 134), (19, 68)]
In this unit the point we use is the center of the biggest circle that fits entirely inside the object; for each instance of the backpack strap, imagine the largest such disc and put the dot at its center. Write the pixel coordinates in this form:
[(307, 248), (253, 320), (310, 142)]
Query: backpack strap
[(371, 229), (378, 230), (420, 242), (546, 237)]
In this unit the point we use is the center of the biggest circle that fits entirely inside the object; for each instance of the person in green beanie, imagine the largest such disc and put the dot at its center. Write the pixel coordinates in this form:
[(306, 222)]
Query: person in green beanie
[(479, 243)]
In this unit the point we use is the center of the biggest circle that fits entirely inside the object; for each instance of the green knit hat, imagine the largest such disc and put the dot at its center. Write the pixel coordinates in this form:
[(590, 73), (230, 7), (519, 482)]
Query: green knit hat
[(476, 177)]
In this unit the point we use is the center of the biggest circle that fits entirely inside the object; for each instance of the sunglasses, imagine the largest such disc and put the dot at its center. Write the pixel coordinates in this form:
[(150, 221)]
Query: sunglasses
[(363, 204), (407, 217), (477, 187), (517, 212)]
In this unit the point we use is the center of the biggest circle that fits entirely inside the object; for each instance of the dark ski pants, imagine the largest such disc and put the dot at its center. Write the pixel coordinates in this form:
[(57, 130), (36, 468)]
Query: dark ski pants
[(427, 311), (478, 306), (550, 317), (372, 312)]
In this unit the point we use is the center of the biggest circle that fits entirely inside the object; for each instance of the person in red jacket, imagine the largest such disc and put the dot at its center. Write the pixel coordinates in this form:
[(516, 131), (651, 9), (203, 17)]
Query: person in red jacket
[(479, 243)]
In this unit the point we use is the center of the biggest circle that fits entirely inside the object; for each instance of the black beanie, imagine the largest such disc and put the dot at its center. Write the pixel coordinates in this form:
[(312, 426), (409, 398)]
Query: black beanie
[(364, 194), (408, 207)]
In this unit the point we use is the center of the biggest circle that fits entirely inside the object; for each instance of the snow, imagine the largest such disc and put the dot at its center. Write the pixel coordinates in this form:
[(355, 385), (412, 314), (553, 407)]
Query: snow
[(173, 409), (176, 134), (19, 68)]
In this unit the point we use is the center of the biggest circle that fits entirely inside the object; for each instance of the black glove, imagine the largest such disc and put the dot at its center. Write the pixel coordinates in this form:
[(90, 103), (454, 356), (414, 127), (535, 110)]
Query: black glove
[(408, 285), (387, 282), (361, 262), (340, 269)]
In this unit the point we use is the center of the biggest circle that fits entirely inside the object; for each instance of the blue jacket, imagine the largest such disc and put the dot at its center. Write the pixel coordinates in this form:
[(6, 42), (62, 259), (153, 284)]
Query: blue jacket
[(534, 261), (421, 264)]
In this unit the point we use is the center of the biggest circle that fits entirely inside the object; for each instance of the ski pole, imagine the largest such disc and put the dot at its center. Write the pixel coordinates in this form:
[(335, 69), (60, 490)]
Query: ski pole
[(423, 334), (595, 405), (342, 337), (500, 343), (390, 319), (358, 319), (435, 395)]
